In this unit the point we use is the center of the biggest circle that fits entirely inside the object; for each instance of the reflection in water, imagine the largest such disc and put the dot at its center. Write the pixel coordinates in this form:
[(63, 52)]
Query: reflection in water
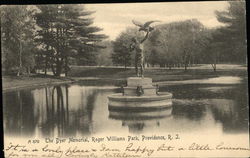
[(76, 110), (137, 121), (193, 110), (18, 119), (232, 113), (55, 114)]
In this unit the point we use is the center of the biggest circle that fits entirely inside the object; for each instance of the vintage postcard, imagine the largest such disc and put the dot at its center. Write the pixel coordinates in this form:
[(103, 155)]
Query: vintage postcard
[(103, 80)]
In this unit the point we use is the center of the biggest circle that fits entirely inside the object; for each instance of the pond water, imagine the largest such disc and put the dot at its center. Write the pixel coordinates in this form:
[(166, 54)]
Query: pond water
[(80, 110)]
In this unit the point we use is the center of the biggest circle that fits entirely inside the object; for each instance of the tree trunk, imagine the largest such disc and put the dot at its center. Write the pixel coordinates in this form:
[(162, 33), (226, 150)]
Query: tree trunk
[(46, 61), (66, 66), (46, 58), (125, 65), (58, 70), (214, 64), (185, 66), (58, 67), (46, 65), (52, 65), (214, 67), (20, 59), (28, 70), (53, 69), (67, 103), (185, 60)]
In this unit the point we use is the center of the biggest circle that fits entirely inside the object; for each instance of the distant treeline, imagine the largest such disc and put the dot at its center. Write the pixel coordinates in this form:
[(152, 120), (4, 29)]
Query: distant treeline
[(184, 43), (47, 37), (53, 37)]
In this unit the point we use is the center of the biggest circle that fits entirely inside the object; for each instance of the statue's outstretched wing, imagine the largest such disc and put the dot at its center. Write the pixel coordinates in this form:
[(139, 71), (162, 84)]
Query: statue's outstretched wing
[(137, 23), (150, 22)]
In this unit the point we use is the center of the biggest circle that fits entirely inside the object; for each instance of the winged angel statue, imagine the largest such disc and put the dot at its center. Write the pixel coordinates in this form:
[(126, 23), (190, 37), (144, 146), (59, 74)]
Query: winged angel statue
[(146, 26), (137, 46)]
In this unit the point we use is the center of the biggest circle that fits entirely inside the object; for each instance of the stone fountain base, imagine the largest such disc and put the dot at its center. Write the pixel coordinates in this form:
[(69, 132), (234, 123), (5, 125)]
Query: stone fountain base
[(140, 95)]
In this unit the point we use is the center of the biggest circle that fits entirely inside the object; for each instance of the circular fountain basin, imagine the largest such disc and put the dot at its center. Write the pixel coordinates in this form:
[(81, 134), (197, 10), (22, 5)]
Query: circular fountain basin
[(148, 115), (140, 103)]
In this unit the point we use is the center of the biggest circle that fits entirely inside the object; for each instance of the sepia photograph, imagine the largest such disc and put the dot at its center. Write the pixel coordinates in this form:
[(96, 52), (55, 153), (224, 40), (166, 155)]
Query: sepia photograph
[(123, 80)]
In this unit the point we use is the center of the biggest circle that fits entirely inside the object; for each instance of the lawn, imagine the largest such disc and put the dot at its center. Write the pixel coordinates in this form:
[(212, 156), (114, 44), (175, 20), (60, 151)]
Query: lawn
[(14, 82), (117, 75), (158, 74)]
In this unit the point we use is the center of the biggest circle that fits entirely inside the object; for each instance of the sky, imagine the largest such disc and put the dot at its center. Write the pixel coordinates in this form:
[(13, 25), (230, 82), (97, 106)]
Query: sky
[(115, 18)]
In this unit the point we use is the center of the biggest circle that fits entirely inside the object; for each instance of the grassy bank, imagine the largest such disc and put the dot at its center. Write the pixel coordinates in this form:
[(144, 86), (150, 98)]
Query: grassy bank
[(117, 76), (14, 82), (158, 74)]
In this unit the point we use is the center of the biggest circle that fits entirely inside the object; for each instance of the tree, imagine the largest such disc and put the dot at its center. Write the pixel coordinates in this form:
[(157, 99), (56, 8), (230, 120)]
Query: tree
[(17, 32), (190, 41), (176, 43), (104, 55), (157, 47), (122, 54), (233, 34), (66, 32), (211, 53)]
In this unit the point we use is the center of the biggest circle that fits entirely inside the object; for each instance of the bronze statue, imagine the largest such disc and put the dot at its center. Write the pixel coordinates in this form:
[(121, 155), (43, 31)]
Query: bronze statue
[(146, 26), (137, 46)]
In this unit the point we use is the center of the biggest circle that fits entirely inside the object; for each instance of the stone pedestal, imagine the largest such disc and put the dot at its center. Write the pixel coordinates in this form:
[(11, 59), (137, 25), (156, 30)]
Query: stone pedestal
[(134, 82), (148, 100), (138, 81)]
